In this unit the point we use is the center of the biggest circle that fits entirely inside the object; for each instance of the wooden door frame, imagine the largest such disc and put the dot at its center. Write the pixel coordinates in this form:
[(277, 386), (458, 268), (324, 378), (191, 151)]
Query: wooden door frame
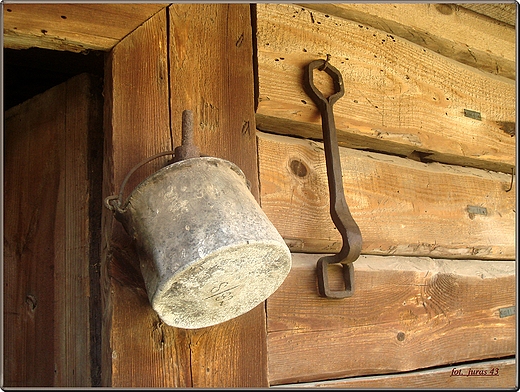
[(143, 101), (196, 57)]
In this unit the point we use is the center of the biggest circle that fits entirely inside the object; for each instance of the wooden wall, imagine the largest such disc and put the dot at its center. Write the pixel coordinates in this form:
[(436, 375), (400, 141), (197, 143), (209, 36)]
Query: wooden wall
[(428, 185), (52, 159), (427, 132), (72, 27)]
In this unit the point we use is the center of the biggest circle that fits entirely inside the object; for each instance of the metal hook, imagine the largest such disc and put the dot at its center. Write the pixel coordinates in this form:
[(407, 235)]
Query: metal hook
[(512, 178), (326, 63)]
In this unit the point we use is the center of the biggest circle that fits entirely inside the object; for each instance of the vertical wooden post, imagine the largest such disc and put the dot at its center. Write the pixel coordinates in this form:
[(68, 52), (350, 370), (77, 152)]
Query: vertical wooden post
[(138, 349), (211, 57), (205, 53)]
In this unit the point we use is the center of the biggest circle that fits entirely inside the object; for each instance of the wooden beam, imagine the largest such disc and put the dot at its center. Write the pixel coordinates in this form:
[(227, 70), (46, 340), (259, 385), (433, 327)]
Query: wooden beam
[(72, 27), (139, 350), (402, 207), (503, 12), (406, 314), (495, 374), (211, 73), (51, 303), (447, 29), (399, 98), (77, 296)]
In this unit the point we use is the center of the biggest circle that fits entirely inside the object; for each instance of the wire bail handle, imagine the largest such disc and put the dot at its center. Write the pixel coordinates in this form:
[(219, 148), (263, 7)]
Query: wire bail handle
[(185, 151)]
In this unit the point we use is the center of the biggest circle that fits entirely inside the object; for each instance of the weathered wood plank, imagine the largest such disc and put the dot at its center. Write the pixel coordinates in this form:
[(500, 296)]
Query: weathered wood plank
[(399, 97), (47, 244), (144, 351), (406, 314), (220, 91), (139, 350), (224, 355), (402, 207), (504, 12), (211, 74), (31, 181), (72, 27), (498, 374), (447, 29), (76, 311)]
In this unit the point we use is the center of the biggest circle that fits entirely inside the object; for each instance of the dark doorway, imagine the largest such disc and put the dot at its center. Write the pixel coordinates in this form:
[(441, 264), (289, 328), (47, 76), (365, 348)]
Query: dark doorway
[(29, 72)]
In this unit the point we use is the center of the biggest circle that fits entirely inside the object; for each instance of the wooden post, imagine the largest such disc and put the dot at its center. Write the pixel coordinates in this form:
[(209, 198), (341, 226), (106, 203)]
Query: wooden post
[(212, 74), (209, 48), (138, 350)]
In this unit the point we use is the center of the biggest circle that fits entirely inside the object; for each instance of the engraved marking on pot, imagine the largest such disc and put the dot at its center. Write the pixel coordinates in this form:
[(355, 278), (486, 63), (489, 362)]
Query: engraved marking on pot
[(221, 295)]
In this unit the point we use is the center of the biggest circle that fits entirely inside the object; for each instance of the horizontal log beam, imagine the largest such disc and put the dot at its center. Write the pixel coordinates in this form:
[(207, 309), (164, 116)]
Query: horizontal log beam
[(504, 12), (495, 374), (399, 98), (402, 207), (447, 29), (72, 27), (406, 313)]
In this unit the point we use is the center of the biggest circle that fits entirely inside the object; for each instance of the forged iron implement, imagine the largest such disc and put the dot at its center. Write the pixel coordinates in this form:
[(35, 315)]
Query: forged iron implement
[(339, 210)]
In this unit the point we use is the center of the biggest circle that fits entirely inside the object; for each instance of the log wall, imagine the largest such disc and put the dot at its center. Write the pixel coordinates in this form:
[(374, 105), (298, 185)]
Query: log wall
[(427, 135), (426, 130)]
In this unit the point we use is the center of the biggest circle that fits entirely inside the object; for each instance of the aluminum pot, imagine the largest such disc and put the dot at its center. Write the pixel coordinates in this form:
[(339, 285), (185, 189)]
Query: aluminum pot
[(207, 251)]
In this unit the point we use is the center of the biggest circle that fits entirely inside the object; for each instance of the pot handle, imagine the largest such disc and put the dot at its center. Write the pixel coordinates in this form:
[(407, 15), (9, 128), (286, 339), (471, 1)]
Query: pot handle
[(114, 202), (186, 150)]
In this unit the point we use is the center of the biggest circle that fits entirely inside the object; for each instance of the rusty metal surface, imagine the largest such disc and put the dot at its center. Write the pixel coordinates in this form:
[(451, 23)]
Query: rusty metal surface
[(187, 149), (339, 210)]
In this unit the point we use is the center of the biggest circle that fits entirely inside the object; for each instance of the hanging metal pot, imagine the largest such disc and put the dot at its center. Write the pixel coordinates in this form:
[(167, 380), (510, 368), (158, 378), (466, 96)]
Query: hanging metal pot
[(207, 251)]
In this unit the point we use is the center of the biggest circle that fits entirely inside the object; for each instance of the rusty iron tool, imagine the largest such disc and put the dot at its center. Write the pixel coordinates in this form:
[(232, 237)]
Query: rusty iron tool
[(339, 210)]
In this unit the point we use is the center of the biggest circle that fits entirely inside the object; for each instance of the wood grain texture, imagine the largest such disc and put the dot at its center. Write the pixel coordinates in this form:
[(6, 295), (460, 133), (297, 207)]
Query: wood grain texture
[(47, 244), (447, 29), (406, 314), (211, 74), (76, 311), (32, 175), (210, 53), (503, 12), (139, 350), (500, 373), (402, 207), (72, 27), (399, 98), (232, 354)]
